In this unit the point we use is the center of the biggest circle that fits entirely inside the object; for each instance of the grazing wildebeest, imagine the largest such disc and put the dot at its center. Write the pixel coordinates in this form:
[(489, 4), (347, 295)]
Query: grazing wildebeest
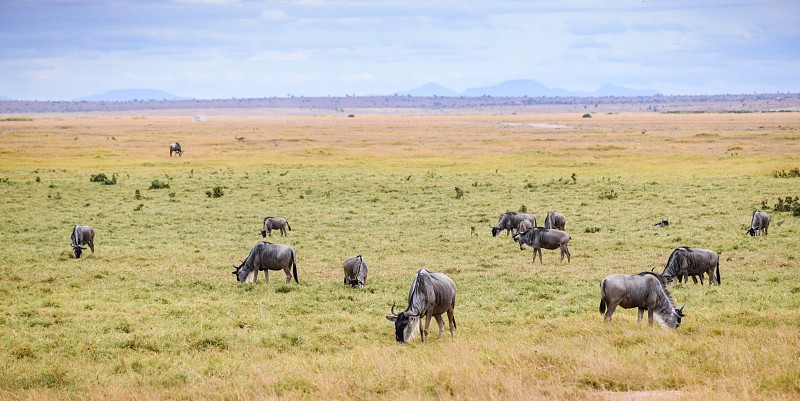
[(662, 223), (355, 271), (431, 295), (684, 262), (176, 148), (275, 223), (539, 237), (266, 256), (759, 225), (509, 221), (646, 290), (82, 235), (524, 226), (555, 220)]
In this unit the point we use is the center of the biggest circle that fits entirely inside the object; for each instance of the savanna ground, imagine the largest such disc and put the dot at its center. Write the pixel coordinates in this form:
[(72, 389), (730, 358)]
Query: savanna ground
[(156, 314)]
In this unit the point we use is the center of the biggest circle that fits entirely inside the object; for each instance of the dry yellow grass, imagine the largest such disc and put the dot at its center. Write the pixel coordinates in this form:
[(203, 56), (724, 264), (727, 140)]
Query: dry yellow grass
[(155, 313)]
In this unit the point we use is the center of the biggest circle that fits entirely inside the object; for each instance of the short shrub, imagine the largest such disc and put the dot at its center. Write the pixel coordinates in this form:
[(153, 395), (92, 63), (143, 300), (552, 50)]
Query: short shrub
[(215, 193), (156, 184), (103, 179)]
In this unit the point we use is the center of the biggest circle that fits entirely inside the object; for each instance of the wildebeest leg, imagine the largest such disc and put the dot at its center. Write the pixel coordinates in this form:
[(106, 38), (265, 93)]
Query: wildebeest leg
[(451, 321), (288, 275), (701, 279), (424, 331), (610, 311), (565, 250), (639, 315), (91, 245), (695, 279), (441, 325), (650, 316)]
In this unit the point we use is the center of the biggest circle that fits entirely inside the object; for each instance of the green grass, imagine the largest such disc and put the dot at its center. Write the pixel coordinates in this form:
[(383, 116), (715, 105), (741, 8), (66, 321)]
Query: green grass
[(155, 313)]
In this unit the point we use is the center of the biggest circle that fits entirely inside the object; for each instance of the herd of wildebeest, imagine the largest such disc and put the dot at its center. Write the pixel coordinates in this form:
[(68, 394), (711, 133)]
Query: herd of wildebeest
[(433, 294)]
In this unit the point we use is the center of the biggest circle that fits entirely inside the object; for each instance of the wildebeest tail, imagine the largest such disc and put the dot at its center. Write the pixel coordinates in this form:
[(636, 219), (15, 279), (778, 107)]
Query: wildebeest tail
[(603, 296), (719, 279), (455, 326), (287, 225), (294, 266)]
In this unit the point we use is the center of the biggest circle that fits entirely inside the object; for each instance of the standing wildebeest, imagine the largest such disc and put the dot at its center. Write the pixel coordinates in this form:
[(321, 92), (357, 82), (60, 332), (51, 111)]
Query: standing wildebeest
[(555, 220), (646, 290), (538, 238), (266, 256), (431, 295), (82, 235), (355, 271), (685, 262), (176, 148), (759, 224), (509, 221), (275, 223)]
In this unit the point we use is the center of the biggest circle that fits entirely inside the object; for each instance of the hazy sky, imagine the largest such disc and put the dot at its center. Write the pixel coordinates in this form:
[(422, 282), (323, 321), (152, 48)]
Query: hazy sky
[(65, 49)]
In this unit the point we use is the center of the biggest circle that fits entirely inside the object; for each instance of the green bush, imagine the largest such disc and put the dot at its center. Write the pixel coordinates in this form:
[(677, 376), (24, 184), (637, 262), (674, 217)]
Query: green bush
[(215, 193), (103, 179), (156, 184)]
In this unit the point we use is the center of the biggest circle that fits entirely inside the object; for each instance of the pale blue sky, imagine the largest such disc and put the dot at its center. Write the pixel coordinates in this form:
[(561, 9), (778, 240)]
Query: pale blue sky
[(62, 49)]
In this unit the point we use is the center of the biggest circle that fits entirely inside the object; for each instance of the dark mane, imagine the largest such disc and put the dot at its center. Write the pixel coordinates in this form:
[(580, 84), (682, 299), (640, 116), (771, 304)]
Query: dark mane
[(662, 280)]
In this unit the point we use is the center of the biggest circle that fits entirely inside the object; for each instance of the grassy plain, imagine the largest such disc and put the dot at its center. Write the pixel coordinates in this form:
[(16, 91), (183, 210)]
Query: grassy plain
[(156, 314)]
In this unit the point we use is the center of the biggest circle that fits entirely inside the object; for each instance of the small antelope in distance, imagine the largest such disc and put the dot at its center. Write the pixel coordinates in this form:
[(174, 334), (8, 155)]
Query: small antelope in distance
[(239, 138)]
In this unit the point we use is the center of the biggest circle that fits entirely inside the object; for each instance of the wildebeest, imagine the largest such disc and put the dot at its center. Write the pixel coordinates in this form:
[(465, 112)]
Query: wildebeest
[(266, 256), (539, 237), (646, 290), (555, 220), (684, 262), (176, 148), (662, 223), (355, 271), (82, 235), (275, 223), (524, 226), (759, 225), (509, 221), (431, 295)]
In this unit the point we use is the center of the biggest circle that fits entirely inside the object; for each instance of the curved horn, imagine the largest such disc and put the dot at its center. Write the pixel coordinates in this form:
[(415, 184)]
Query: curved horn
[(393, 312)]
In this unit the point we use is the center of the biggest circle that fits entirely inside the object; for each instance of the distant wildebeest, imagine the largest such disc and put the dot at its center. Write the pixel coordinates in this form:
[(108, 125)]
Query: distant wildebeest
[(275, 223), (509, 221), (355, 271), (524, 226), (684, 262), (82, 235), (539, 237), (431, 295), (759, 225), (662, 223), (175, 148), (266, 256), (646, 290), (555, 220)]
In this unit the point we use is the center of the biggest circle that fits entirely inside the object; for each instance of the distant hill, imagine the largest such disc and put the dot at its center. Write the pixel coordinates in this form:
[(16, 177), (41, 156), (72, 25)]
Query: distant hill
[(529, 88), (127, 95), (614, 90), (4, 98), (430, 89)]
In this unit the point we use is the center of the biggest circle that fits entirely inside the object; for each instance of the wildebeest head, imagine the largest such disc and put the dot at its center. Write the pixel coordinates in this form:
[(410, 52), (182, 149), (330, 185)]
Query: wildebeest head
[(406, 325), (263, 233), (354, 282), (751, 231), (679, 315), (241, 273), (495, 231), (77, 250)]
